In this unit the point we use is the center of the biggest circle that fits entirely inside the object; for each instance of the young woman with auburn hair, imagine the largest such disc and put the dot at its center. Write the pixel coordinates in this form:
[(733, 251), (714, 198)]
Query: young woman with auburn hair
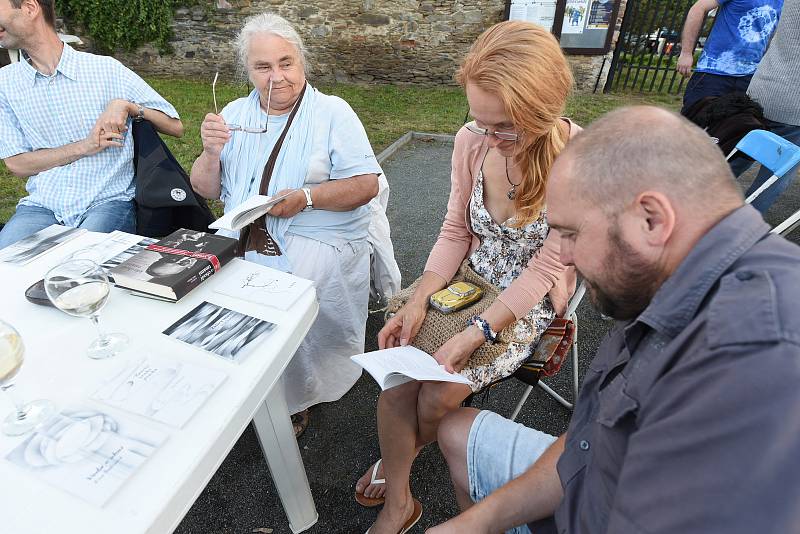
[(517, 82)]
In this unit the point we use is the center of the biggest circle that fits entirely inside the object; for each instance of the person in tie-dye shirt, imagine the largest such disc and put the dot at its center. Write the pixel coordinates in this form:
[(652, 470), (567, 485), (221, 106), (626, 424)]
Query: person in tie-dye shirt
[(742, 30)]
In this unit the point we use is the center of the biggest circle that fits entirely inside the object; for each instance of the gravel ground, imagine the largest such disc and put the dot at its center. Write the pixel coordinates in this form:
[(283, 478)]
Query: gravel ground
[(341, 442)]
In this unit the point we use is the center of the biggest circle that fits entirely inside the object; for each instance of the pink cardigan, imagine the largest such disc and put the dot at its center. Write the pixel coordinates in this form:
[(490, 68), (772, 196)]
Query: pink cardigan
[(544, 274)]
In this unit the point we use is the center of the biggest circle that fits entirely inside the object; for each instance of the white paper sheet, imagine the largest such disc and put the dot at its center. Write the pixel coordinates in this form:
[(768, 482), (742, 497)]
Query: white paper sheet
[(160, 388), (87, 453), (266, 286)]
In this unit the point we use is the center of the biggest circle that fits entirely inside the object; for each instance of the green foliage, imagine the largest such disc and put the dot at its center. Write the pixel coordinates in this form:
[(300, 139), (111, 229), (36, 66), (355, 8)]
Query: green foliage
[(124, 24)]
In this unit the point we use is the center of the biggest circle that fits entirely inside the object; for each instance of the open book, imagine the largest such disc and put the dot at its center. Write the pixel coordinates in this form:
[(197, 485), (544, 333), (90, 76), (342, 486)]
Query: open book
[(246, 212), (392, 367)]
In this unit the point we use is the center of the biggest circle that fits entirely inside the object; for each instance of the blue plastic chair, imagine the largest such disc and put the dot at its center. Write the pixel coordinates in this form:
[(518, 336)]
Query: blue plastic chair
[(771, 151)]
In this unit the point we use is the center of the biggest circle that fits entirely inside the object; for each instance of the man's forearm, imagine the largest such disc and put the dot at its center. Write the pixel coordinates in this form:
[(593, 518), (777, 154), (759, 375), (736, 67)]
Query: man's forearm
[(30, 163), (691, 28), (345, 194), (205, 176), (532, 496), (163, 122)]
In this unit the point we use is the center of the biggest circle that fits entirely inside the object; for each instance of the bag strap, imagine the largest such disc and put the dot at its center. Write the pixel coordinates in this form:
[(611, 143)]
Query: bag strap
[(255, 235)]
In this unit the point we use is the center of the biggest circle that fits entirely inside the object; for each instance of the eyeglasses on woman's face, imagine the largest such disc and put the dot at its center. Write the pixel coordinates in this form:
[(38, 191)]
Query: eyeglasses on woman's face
[(502, 136)]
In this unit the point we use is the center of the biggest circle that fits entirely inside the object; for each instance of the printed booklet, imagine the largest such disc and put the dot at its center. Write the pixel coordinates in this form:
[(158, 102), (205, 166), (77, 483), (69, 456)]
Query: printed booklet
[(226, 333), (160, 388), (398, 365), (45, 240), (86, 452), (246, 212)]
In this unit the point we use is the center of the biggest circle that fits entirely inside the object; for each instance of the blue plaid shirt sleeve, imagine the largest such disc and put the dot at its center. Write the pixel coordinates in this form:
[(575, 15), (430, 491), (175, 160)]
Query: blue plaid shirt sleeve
[(12, 140), (139, 91)]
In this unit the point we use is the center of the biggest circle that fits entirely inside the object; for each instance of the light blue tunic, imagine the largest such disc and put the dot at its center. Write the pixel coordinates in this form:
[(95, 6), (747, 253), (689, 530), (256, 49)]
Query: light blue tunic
[(340, 149)]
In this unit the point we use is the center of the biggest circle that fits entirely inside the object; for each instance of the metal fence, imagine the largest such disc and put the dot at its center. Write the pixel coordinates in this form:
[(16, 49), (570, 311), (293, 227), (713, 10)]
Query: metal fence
[(649, 45)]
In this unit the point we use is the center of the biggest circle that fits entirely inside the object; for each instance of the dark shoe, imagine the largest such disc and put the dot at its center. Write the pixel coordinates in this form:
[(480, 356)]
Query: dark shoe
[(300, 422)]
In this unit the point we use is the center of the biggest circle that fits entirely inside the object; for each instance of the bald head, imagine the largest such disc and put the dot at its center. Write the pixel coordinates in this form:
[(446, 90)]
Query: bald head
[(644, 148)]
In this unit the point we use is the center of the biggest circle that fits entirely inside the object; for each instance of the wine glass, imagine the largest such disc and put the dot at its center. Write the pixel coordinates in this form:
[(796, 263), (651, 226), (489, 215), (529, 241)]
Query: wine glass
[(81, 288), (25, 416)]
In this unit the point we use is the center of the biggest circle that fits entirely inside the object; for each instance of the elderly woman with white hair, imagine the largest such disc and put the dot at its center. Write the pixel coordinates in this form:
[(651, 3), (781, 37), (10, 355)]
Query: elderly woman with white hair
[(288, 138)]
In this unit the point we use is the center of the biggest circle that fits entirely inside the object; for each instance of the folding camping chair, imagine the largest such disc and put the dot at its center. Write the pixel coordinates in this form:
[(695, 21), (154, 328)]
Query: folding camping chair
[(770, 150), (571, 314), (532, 376), (788, 225)]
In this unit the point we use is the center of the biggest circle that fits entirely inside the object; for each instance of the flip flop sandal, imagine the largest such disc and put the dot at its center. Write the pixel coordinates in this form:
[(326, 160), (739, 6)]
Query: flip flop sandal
[(415, 517), (300, 422), (369, 502)]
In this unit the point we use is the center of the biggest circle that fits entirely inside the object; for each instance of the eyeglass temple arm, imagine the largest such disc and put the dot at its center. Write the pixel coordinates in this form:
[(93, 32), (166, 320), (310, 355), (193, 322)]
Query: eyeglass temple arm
[(214, 92), (269, 98)]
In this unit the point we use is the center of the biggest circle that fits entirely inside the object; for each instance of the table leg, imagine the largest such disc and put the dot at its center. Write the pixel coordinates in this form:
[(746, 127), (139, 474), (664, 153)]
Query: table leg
[(276, 435)]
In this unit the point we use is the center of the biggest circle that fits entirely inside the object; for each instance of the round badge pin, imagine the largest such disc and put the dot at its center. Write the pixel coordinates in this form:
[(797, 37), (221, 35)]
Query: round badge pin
[(178, 194)]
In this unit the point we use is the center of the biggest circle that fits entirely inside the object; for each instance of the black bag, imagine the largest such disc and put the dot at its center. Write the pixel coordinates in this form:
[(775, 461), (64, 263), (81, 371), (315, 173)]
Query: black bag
[(165, 201), (727, 119)]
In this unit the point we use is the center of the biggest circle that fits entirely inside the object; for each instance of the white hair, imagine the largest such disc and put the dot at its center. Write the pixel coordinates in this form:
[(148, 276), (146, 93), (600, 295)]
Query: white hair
[(271, 24)]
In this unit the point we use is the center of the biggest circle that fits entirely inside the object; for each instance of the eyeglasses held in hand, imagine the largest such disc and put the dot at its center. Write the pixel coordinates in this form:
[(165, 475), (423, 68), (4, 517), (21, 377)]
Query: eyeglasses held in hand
[(236, 127), (503, 136)]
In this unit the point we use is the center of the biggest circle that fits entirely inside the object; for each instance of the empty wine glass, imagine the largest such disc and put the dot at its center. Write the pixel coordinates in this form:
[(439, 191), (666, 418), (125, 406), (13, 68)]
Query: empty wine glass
[(26, 416), (81, 288)]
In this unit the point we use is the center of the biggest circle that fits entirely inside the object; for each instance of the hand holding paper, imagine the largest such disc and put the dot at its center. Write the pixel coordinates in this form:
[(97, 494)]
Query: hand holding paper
[(398, 365), (247, 212)]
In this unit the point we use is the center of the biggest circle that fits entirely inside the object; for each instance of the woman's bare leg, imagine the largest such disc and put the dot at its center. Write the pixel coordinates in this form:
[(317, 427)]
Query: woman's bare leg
[(437, 399), (397, 433)]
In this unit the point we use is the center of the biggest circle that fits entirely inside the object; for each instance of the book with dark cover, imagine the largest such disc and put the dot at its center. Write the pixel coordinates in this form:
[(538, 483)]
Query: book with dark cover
[(175, 265)]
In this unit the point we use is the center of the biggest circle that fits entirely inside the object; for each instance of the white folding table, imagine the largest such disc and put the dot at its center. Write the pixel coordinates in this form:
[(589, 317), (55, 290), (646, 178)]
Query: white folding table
[(160, 493)]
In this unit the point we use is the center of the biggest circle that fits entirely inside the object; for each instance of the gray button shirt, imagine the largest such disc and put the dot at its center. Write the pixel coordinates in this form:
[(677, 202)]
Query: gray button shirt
[(689, 416)]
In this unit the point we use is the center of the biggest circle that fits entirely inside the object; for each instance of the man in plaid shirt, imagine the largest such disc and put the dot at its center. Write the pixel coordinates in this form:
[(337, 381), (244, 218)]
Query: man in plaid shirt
[(64, 119)]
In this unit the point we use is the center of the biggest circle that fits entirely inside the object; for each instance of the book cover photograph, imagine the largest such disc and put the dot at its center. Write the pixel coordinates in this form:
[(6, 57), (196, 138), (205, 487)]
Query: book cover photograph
[(226, 333), (45, 240), (87, 453), (160, 388), (175, 265)]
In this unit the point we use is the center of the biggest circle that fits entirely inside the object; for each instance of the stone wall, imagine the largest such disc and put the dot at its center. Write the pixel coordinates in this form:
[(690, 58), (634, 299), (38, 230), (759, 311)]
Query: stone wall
[(355, 41)]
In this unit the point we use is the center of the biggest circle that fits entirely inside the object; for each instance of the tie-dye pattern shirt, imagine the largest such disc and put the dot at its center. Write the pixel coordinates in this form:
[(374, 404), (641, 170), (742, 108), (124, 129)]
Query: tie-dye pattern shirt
[(740, 36)]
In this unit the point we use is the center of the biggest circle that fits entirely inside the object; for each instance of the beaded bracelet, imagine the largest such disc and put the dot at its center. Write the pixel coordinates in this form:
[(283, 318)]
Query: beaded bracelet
[(483, 324)]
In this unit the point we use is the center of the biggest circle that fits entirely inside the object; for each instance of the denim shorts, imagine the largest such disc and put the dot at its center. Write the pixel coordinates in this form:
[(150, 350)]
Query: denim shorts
[(499, 450)]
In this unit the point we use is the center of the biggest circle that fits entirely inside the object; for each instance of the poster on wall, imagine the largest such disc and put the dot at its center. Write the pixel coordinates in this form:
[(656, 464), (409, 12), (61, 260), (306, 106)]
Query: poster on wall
[(539, 12), (599, 14), (575, 12)]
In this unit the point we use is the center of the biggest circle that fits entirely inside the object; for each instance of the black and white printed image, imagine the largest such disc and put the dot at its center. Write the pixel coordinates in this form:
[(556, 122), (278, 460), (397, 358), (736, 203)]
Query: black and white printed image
[(169, 265), (33, 246), (221, 331), (191, 240), (157, 267), (129, 252)]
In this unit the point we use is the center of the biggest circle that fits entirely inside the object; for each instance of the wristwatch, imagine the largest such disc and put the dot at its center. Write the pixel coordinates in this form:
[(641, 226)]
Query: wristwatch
[(309, 203), (140, 115)]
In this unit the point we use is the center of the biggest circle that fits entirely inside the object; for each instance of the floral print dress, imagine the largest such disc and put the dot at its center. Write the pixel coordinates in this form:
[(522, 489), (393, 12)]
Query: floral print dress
[(501, 257)]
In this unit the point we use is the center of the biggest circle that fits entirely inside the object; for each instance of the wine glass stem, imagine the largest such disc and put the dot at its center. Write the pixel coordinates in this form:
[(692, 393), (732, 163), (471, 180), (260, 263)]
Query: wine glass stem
[(19, 406), (102, 337)]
